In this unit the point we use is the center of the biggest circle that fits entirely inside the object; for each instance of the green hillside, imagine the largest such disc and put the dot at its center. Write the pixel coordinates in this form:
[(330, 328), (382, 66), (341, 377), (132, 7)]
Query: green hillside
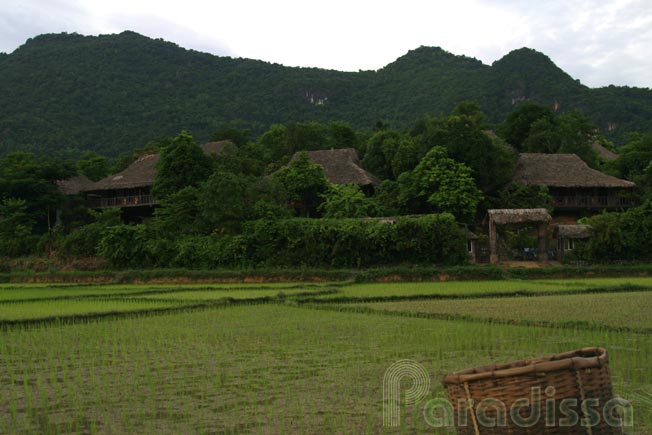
[(114, 93)]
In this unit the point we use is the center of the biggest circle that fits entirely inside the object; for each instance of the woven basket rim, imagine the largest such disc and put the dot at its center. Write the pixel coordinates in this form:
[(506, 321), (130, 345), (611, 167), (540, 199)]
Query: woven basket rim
[(585, 358)]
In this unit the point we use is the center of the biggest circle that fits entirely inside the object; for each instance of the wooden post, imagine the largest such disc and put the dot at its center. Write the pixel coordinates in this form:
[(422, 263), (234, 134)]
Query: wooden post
[(560, 249), (543, 242), (493, 252)]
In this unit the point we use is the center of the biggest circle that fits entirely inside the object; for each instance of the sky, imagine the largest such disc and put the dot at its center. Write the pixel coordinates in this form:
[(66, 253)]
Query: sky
[(599, 42)]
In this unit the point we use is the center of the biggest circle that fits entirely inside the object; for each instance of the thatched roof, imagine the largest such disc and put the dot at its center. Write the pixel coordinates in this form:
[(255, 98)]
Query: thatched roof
[(519, 216), (574, 231), (604, 153), (74, 185), (562, 170), (142, 172), (341, 166)]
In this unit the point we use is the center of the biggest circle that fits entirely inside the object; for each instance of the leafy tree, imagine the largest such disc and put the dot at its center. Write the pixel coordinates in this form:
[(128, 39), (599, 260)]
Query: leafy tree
[(182, 164), (635, 162), (273, 146), (24, 176), (307, 136), (387, 196), (238, 137), (621, 236), (380, 151), (348, 201), (93, 165), (516, 127), (567, 133), (16, 226), (543, 137), (305, 182), (406, 157), (471, 111), (84, 241), (635, 156), (520, 196), (446, 185), (178, 214), (125, 246), (238, 160), (343, 135), (490, 159), (225, 201)]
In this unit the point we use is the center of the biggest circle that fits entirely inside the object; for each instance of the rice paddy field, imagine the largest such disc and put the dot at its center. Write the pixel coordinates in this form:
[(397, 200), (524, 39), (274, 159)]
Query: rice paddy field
[(291, 358)]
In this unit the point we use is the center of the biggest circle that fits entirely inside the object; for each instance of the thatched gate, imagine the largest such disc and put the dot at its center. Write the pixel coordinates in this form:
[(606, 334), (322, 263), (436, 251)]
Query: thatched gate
[(501, 217)]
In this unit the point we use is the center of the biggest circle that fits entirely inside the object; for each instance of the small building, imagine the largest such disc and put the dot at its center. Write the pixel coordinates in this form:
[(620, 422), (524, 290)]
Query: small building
[(132, 187), (342, 166), (568, 236), (573, 185), (128, 188), (518, 217)]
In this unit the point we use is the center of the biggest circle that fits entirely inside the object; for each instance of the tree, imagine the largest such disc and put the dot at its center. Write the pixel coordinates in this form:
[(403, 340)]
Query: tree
[(273, 145), (305, 182), (23, 176), (380, 151), (635, 156), (635, 162), (446, 185), (348, 201), (182, 164), (178, 214), (406, 157), (16, 226), (93, 165), (570, 133), (516, 127), (238, 137), (84, 241), (387, 196), (343, 135), (225, 201), (520, 196), (471, 110), (465, 140)]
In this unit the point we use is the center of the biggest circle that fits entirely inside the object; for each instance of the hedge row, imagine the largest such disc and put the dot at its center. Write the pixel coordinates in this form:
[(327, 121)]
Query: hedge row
[(398, 273), (430, 239)]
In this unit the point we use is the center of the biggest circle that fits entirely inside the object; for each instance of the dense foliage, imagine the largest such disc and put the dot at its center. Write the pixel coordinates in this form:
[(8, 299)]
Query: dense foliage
[(262, 201), (296, 242), (66, 93), (622, 236)]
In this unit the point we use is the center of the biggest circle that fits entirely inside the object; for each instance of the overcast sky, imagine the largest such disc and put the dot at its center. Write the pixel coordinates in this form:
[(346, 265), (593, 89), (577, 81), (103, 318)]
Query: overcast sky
[(600, 42)]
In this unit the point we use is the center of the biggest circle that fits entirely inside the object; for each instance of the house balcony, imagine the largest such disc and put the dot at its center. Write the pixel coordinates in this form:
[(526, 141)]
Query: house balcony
[(122, 201), (594, 202)]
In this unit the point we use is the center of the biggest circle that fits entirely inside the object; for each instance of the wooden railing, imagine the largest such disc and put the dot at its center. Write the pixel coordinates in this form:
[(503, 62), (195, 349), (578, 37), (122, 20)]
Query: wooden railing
[(591, 201), (122, 201)]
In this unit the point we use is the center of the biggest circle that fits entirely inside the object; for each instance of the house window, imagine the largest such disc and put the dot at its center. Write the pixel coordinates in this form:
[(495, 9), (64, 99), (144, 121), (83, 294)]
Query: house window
[(570, 244)]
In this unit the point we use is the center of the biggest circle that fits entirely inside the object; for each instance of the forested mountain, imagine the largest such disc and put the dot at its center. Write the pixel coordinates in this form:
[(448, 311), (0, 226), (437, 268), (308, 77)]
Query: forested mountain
[(62, 93)]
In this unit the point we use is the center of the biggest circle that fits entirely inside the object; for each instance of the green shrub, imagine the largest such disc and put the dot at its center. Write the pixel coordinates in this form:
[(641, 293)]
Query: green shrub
[(622, 236), (125, 245), (355, 243)]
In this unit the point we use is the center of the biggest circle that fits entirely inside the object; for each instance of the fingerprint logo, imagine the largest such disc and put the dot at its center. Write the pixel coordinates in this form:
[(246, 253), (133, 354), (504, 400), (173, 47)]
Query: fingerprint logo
[(400, 370)]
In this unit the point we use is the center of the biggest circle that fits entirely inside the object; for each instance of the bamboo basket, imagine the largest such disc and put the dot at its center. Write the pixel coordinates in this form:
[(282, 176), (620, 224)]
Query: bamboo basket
[(482, 398)]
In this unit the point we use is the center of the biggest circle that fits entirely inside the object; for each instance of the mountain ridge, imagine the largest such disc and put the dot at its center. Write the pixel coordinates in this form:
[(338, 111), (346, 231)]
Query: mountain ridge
[(114, 93)]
